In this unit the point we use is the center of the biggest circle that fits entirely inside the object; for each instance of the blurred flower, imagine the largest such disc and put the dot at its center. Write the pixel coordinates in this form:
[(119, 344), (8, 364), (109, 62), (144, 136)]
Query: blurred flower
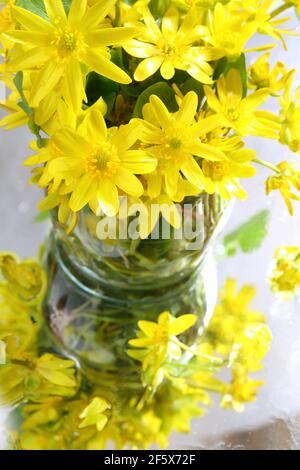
[(285, 275), (93, 414), (25, 281), (241, 336), (7, 22), (158, 344), (262, 76), (286, 178), (290, 118), (25, 376)]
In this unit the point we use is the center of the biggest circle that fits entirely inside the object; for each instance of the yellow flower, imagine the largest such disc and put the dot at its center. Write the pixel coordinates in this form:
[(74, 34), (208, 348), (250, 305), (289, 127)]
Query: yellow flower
[(25, 376), (240, 113), (233, 317), (296, 4), (7, 23), (93, 161), (285, 276), (266, 24), (171, 47), (286, 178), (243, 389), (60, 47), (26, 281), (242, 338), (93, 414), (16, 117), (163, 333), (229, 30), (223, 177), (174, 139), (290, 119), (262, 76), (158, 344), (201, 4)]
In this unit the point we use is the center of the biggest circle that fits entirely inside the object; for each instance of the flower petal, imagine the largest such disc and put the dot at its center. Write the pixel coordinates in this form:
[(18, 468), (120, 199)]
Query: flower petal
[(94, 126), (55, 10), (84, 191), (167, 69), (44, 82), (109, 36), (170, 22), (161, 112), (147, 68), (108, 197), (77, 11), (188, 108), (138, 162), (70, 143), (94, 15), (31, 21), (206, 151), (27, 60), (183, 323), (75, 92), (103, 66), (128, 182)]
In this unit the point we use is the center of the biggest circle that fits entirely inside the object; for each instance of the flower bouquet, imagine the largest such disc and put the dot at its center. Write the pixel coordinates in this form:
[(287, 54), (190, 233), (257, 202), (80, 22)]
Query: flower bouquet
[(139, 111)]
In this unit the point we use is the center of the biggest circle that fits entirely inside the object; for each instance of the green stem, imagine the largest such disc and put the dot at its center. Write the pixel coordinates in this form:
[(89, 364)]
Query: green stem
[(118, 14), (212, 359), (266, 165), (281, 9)]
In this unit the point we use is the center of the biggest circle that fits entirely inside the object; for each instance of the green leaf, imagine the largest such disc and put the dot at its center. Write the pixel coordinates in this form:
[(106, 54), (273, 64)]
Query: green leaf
[(42, 216), (36, 131), (38, 7), (249, 236), (159, 7), (193, 85), (18, 81), (97, 86), (220, 68), (160, 89), (35, 6)]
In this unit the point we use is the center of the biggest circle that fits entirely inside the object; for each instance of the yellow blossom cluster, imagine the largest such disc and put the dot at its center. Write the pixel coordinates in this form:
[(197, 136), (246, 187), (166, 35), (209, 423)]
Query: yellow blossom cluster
[(285, 274), (147, 101), (58, 407)]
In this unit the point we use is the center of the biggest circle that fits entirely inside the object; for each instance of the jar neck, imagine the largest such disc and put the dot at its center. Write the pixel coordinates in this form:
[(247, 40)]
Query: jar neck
[(138, 265)]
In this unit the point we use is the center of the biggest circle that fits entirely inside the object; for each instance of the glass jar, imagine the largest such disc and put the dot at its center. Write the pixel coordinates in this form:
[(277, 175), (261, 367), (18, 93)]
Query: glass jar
[(99, 289)]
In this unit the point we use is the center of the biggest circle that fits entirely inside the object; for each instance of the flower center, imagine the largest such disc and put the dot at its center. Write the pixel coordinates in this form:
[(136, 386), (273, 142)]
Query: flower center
[(102, 161), (215, 170), (68, 43), (233, 114), (175, 143)]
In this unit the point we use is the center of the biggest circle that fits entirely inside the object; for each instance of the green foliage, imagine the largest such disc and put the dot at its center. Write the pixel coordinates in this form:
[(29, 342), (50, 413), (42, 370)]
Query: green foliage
[(18, 81), (98, 86), (159, 7), (42, 216), (38, 7), (248, 236), (160, 89), (192, 84)]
